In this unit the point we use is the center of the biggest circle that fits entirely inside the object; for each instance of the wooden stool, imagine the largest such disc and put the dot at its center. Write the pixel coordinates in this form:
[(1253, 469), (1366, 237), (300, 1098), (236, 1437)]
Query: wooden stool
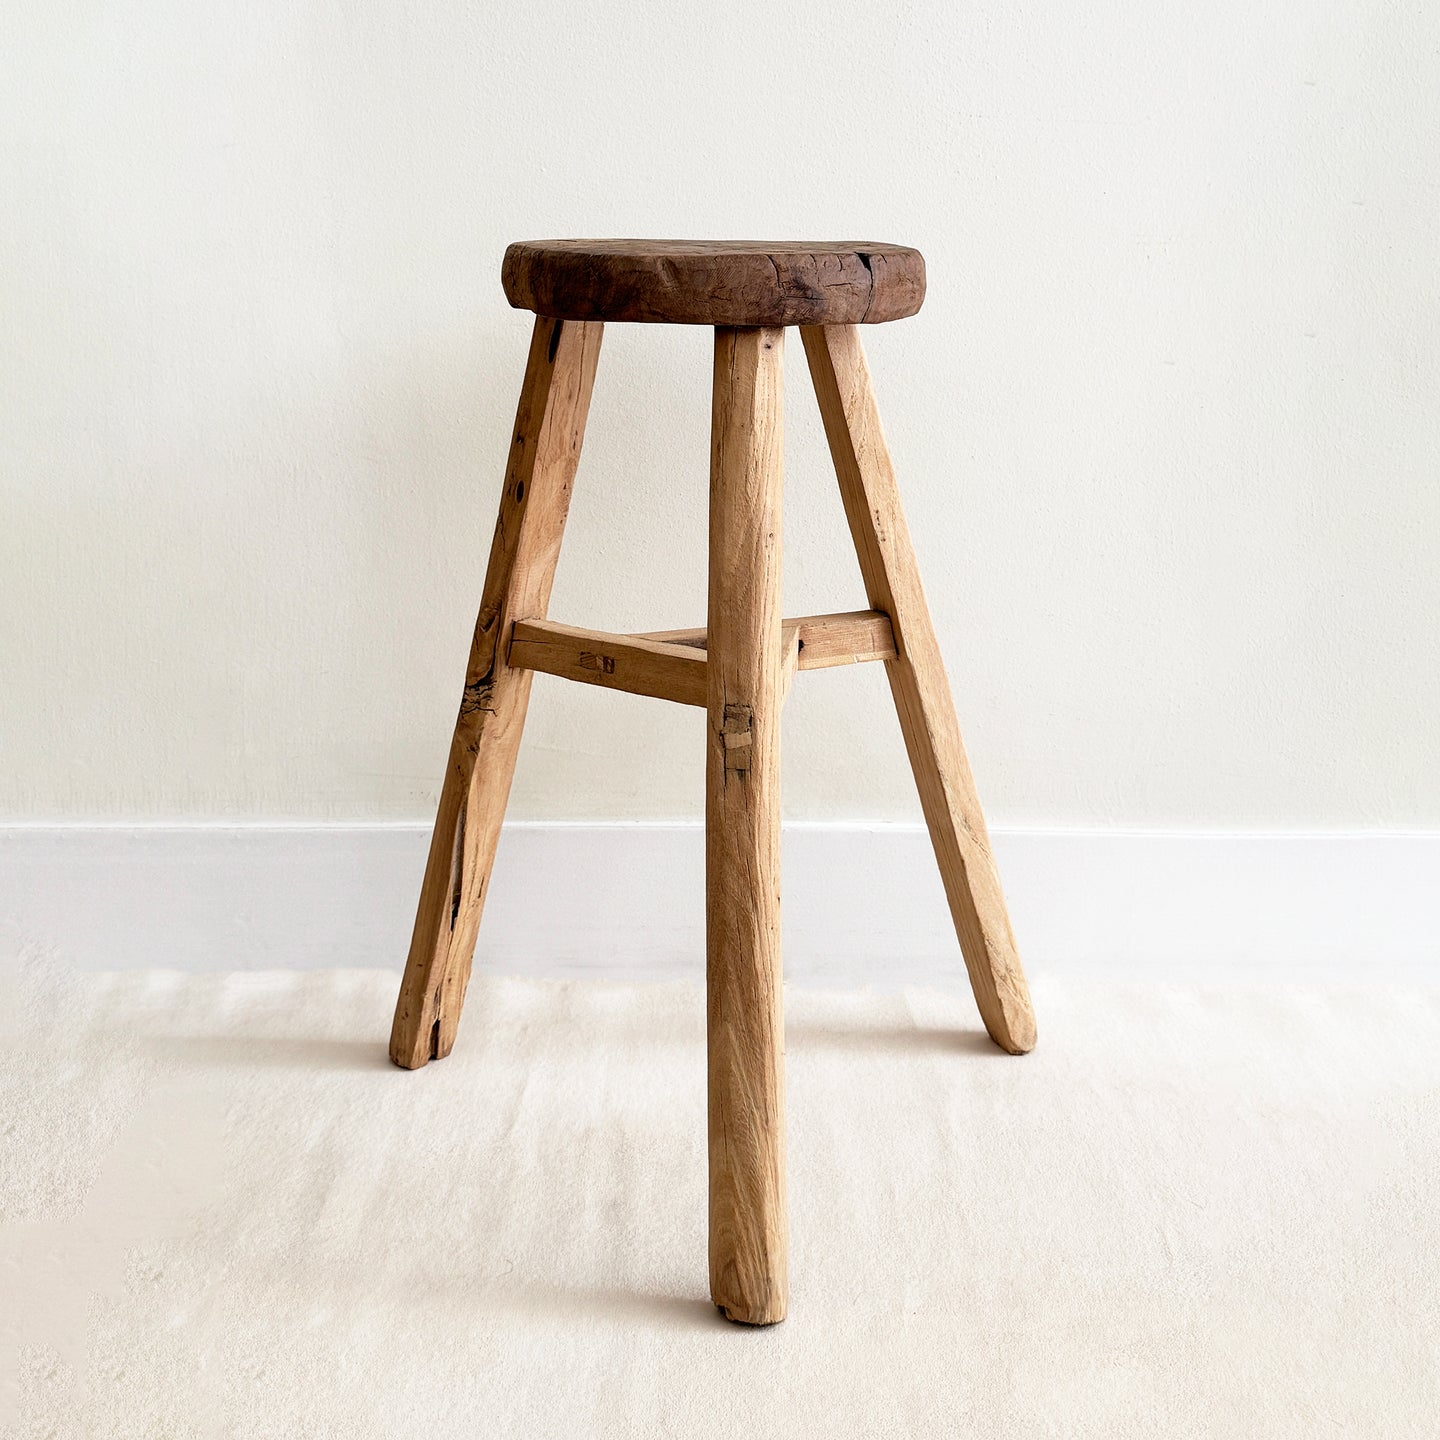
[(738, 667)]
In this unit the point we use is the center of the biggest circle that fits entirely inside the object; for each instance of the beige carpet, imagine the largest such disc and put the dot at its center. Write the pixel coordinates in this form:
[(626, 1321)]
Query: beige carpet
[(1208, 1213)]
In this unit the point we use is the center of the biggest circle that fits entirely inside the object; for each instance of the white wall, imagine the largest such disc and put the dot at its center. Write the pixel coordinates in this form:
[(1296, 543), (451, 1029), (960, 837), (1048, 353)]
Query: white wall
[(1167, 424)]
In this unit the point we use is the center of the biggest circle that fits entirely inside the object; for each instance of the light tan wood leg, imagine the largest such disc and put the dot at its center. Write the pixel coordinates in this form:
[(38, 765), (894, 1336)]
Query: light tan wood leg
[(549, 427), (918, 682), (748, 1239)]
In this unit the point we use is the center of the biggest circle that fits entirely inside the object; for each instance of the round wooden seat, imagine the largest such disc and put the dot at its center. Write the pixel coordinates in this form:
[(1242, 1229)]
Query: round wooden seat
[(715, 282)]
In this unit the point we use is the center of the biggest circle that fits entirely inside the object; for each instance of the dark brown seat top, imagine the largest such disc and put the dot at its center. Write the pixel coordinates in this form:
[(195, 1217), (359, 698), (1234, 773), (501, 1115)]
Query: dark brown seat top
[(715, 282)]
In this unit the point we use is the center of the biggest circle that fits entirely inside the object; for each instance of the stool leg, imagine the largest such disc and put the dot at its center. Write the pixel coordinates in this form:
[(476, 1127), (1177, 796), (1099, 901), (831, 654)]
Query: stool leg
[(919, 685), (549, 427), (742, 833)]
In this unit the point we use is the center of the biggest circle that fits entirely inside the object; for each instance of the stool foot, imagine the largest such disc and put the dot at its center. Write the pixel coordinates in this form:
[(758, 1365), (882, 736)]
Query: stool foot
[(746, 673), (919, 685), (549, 428), (758, 1318)]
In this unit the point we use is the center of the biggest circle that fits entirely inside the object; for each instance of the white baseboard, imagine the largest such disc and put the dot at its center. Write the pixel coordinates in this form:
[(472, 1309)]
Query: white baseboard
[(861, 902)]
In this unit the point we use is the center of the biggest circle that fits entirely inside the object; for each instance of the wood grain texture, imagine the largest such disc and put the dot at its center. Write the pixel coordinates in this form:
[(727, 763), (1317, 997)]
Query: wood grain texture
[(919, 685), (544, 453), (693, 636), (617, 662), (716, 282), (748, 1236)]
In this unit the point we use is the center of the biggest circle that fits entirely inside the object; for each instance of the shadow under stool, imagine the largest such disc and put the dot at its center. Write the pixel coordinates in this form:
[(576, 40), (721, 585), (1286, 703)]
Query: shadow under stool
[(739, 668)]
